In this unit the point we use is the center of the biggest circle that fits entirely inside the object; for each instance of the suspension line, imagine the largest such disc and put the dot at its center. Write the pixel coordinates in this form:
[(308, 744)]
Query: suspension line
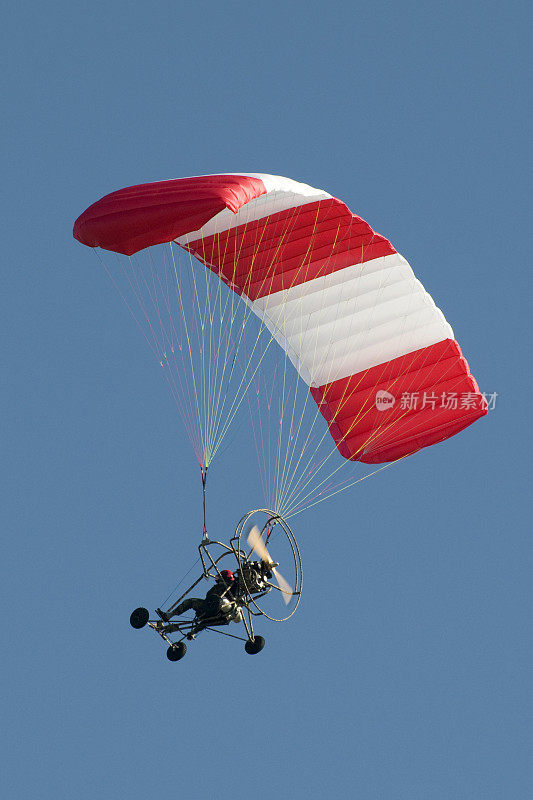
[(204, 480)]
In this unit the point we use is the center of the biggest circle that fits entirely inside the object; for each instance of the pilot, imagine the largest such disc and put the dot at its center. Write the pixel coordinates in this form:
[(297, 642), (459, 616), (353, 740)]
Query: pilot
[(219, 600)]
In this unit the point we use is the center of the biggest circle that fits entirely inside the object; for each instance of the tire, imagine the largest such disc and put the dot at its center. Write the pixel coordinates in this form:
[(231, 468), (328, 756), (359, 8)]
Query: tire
[(139, 618), (176, 651), (255, 645)]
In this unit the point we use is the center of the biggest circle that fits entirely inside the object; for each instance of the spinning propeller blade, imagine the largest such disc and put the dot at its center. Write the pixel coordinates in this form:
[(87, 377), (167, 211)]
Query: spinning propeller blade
[(258, 546), (286, 591)]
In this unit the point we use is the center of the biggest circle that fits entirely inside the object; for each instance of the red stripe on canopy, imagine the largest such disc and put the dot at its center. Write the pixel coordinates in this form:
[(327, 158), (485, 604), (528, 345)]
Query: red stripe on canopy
[(131, 219), (290, 247), (435, 396)]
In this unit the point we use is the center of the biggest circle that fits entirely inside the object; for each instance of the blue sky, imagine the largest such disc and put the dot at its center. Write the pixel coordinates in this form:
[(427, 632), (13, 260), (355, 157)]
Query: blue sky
[(406, 672)]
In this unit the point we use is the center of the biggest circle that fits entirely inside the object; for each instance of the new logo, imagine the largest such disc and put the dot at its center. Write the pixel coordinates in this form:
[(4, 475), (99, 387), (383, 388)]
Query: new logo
[(384, 400)]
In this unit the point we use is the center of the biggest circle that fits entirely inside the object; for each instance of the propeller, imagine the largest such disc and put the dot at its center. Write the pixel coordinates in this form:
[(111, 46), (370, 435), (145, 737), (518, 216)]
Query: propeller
[(258, 546)]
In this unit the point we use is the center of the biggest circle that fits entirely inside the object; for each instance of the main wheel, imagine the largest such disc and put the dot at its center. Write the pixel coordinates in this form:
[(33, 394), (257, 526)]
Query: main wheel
[(255, 645), (176, 651), (139, 617)]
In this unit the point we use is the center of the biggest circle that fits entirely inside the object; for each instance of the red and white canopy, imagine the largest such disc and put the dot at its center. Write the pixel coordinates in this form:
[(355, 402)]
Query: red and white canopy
[(379, 357)]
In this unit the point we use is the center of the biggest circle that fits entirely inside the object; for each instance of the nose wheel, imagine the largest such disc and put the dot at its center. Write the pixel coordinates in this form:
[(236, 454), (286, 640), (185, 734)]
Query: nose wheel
[(139, 618)]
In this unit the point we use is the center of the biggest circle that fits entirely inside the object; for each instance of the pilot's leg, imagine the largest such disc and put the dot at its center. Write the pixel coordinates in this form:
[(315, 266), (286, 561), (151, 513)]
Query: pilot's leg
[(193, 603)]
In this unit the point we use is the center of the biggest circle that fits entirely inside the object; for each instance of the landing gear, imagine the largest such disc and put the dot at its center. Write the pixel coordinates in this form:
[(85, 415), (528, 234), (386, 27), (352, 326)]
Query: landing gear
[(176, 651), (139, 618), (255, 645)]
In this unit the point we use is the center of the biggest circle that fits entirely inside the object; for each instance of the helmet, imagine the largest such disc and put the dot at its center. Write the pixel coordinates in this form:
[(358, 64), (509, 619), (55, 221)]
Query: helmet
[(227, 575)]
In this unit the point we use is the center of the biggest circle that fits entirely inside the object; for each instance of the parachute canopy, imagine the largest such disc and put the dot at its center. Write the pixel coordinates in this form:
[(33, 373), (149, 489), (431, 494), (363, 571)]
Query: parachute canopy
[(379, 357)]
